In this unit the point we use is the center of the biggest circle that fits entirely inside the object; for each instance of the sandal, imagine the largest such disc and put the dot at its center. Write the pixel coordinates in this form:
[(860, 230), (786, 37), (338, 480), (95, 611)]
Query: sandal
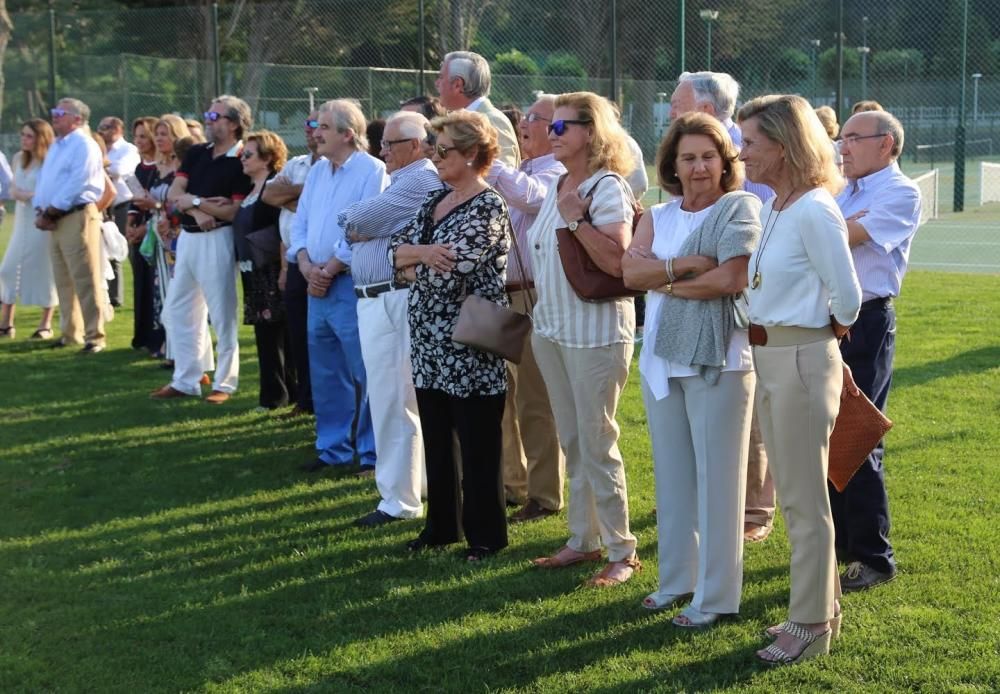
[(566, 556), (8, 332), (774, 632), (42, 334), (604, 579), (660, 601), (696, 619), (816, 645), (479, 553)]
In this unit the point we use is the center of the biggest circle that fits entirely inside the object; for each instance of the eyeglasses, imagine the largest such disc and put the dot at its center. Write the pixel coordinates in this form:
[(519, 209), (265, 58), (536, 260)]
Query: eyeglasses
[(852, 139), (386, 144), (312, 124), (532, 117), (58, 112), (247, 154), (442, 151), (559, 126), (212, 116), (105, 126)]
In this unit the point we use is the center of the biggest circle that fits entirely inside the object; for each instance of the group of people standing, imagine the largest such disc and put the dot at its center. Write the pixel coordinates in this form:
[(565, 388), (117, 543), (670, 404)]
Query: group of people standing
[(769, 279)]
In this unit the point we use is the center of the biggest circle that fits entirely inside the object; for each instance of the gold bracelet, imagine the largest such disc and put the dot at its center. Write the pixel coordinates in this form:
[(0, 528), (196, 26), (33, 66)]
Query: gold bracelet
[(670, 288)]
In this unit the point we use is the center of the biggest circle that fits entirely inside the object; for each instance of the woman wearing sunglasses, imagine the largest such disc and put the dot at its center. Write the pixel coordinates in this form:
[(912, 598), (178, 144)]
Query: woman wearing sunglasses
[(584, 349), (455, 246)]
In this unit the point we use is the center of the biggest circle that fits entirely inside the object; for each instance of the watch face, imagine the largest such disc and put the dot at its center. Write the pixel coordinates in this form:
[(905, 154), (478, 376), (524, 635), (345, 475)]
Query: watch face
[(196, 202), (573, 226)]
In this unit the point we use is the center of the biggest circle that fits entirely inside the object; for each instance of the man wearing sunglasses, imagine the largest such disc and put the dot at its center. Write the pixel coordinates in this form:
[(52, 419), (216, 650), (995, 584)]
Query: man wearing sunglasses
[(464, 82), (533, 464), (284, 191), (207, 190), (70, 182), (340, 400), (882, 208)]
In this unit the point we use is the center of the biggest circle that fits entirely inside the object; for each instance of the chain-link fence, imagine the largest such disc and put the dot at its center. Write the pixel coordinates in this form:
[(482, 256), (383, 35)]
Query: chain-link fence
[(907, 54)]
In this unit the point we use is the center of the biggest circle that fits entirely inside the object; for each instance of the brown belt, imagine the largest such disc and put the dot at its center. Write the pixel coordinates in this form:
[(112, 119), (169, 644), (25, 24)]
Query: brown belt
[(787, 335), (518, 286)]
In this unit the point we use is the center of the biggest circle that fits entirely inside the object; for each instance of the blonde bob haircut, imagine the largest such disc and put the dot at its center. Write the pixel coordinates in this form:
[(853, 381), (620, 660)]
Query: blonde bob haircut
[(698, 123), (271, 148), (176, 129), (470, 131), (608, 144), (792, 123)]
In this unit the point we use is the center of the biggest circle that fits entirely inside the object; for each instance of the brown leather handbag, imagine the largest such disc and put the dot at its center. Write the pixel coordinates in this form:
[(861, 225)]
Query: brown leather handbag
[(589, 281), (858, 429)]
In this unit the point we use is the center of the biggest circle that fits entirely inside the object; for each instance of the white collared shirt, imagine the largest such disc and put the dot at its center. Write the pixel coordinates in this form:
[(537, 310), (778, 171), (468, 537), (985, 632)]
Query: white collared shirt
[(72, 173), (123, 157), (296, 171), (891, 202)]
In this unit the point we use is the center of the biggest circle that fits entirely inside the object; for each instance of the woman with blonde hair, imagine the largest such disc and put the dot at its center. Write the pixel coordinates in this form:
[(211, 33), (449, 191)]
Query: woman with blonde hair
[(804, 295), (26, 271), (584, 348)]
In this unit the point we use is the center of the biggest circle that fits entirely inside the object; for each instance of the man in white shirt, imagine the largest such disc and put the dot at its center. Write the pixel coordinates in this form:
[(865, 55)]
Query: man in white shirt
[(882, 208), (318, 243), (464, 82), (284, 191), (69, 184), (715, 93), (533, 464), (123, 157)]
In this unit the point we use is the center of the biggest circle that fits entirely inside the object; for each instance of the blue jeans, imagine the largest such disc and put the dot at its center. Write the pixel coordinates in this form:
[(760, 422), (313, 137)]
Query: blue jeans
[(340, 398)]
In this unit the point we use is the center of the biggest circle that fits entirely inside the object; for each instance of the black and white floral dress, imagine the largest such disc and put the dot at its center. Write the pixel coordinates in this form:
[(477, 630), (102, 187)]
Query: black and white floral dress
[(478, 230)]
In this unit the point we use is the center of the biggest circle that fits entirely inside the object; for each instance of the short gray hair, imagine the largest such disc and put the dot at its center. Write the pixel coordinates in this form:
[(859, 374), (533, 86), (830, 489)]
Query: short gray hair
[(347, 115), (547, 99), (716, 88), (78, 107), (474, 71), (237, 111), (411, 125), (888, 124)]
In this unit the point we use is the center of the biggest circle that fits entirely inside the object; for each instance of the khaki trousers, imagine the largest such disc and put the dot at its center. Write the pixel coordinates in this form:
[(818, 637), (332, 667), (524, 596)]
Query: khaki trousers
[(75, 248), (533, 463), (760, 485), (798, 398), (584, 386)]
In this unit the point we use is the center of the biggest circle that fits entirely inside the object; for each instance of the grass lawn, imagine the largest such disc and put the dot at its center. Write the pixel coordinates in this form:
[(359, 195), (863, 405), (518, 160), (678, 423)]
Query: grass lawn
[(175, 547)]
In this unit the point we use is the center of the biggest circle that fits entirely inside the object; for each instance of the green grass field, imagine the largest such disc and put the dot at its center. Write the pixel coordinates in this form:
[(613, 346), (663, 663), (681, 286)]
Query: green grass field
[(149, 547)]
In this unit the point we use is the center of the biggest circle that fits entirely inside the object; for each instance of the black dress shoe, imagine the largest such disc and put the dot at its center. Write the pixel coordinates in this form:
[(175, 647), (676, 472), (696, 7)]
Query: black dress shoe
[(375, 519), (314, 466), (91, 348), (419, 543), (860, 576), (58, 344)]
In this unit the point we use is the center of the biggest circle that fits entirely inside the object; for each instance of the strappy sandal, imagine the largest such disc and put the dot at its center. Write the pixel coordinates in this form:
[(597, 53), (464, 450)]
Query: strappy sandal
[(557, 562), (696, 619), (42, 334), (8, 332), (603, 578), (816, 645), (658, 601), (774, 632)]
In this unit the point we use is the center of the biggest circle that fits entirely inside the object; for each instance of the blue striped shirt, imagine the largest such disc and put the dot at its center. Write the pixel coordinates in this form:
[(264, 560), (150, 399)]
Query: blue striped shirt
[(378, 218)]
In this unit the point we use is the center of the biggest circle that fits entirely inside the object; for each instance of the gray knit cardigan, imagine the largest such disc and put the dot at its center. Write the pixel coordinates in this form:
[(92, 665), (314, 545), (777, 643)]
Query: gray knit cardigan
[(696, 332)]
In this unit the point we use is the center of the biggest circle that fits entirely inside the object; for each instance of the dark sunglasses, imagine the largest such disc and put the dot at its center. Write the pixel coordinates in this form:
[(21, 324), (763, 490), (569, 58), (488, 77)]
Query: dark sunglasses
[(559, 126), (312, 124), (212, 116), (247, 154), (58, 112), (386, 144), (442, 151)]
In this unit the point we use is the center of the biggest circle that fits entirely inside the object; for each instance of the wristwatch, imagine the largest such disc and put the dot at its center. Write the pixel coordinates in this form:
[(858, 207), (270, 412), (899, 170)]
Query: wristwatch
[(195, 201), (573, 226)]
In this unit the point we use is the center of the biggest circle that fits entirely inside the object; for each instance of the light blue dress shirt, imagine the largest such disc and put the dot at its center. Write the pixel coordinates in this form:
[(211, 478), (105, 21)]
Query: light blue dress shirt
[(72, 173)]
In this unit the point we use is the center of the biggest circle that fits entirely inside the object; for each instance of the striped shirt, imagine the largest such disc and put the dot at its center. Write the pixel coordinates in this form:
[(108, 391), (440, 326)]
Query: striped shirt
[(560, 315), (378, 218), (891, 202)]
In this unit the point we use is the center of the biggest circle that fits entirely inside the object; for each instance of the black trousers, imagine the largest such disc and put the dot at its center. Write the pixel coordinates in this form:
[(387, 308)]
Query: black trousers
[(116, 288), (277, 369), (143, 334), (478, 508), (861, 511), (297, 311)]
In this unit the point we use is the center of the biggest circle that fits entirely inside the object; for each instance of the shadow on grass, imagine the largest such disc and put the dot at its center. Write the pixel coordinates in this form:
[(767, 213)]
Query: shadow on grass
[(973, 361)]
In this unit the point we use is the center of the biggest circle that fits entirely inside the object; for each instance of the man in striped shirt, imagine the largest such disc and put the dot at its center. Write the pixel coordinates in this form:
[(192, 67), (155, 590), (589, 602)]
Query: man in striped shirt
[(382, 324)]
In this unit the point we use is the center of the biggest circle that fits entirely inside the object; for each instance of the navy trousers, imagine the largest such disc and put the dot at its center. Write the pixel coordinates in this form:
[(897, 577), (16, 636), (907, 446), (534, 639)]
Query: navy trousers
[(861, 511)]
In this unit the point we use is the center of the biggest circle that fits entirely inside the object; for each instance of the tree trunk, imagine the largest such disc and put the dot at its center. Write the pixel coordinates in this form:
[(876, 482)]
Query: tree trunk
[(6, 29)]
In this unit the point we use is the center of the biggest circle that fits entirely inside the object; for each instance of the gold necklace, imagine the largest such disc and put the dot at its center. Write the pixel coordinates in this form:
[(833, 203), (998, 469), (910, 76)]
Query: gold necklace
[(755, 283)]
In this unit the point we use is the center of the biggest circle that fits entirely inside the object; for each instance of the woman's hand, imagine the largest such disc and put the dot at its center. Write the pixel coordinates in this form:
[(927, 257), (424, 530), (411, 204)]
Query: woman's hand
[(144, 202), (691, 266), (572, 206), (641, 269), (849, 385), (438, 257)]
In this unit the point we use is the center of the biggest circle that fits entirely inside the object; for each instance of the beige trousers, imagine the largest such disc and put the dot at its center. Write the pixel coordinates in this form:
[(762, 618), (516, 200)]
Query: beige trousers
[(533, 463), (584, 386), (75, 248), (798, 398), (760, 485)]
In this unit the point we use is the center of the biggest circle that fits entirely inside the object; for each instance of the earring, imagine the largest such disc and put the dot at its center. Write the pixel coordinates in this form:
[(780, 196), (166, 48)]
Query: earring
[(469, 164)]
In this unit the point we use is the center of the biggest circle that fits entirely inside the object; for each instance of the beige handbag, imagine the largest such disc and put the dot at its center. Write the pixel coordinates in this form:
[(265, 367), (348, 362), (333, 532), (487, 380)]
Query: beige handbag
[(489, 327)]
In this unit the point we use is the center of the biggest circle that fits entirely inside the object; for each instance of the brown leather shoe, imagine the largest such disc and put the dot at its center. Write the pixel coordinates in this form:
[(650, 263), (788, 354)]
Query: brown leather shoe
[(566, 556), (755, 533), (216, 397), (531, 511), (167, 392), (205, 380)]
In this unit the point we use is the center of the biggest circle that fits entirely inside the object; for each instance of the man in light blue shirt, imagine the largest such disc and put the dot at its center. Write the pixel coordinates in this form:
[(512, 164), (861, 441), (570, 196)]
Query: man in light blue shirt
[(318, 244), (70, 182), (882, 208)]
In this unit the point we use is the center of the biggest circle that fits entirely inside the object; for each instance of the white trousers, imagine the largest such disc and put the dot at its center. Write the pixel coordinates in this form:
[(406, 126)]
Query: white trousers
[(385, 349), (699, 434), (204, 286)]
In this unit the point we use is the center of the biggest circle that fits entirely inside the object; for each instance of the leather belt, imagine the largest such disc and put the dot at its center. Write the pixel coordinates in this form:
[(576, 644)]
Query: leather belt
[(880, 303), (199, 230), (517, 286), (370, 291), (787, 335)]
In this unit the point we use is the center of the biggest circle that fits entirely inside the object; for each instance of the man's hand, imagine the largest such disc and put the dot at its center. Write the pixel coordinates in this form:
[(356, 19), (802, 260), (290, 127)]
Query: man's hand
[(44, 223), (206, 222), (572, 206), (183, 202)]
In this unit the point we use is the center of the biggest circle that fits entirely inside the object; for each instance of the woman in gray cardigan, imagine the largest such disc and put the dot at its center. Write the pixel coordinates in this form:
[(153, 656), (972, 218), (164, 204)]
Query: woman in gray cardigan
[(697, 375)]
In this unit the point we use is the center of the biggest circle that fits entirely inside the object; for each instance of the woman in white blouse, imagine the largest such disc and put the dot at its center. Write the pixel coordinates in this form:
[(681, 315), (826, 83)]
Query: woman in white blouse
[(803, 296), (583, 349), (697, 373)]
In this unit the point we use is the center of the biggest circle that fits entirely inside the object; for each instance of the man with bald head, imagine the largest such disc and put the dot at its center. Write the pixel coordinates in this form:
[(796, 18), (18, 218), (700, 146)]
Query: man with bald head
[(882, 208)]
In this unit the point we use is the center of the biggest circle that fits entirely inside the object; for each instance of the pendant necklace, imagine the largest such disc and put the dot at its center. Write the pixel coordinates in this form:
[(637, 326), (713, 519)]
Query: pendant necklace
[(755, 282)]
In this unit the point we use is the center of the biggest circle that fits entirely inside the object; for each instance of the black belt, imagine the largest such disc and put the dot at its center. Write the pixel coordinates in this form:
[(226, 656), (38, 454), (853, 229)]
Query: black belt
[(880, 303), (199, 230), (77, 208), (370, 291)]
